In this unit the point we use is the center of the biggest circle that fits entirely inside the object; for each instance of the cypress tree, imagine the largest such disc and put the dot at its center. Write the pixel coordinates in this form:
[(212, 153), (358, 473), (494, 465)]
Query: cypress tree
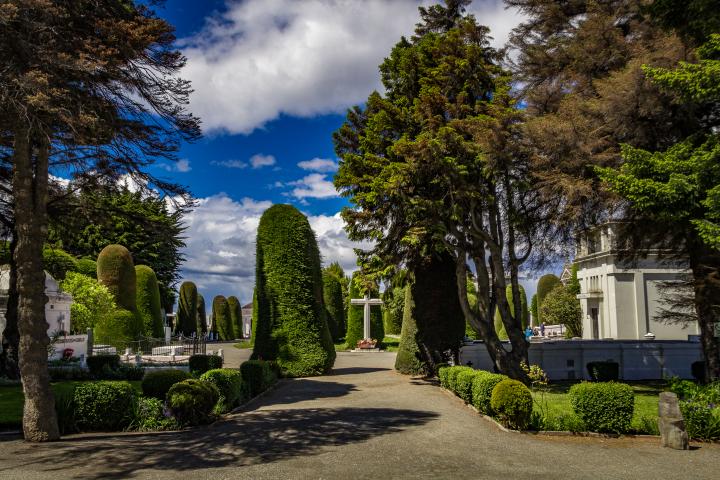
[(201, 315), (187, 309), (356, 317), (148, 301), (334, 304), (524, 315), (291, 327), (534, 309), (435, 320), (545, 285), (235, 317), (221, 318)]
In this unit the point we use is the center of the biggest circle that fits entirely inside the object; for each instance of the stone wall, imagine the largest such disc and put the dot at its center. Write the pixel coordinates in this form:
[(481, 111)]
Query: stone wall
[(567, 359)]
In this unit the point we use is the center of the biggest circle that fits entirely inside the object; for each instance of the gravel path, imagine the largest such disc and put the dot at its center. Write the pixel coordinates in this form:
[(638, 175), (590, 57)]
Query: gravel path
[(363, 421)]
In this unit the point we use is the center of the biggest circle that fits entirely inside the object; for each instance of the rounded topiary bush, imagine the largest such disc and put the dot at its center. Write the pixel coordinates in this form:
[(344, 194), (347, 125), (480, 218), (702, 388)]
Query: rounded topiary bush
[(512, 403), (605, 407), (103, 405), (115, 270), (57, 263), (157, 383), (87, 266), (229, 384), (482, 388), (192, 401), (221, 318), (201, 363), (148, 301), (452, 376), (464, 383), (235, 317), (291, 327), (118, 328), (187, 309)]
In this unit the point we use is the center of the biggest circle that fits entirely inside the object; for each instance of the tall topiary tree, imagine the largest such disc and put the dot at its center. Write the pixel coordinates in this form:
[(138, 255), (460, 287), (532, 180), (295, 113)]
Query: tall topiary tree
[(202, 326), (525, 314), (359, 287), (291, 326), (221, 318), (235, 317), (148, 301), (433, 306), (334, 305), (545, 285), (534, 309), (187, 309), (116, 271)]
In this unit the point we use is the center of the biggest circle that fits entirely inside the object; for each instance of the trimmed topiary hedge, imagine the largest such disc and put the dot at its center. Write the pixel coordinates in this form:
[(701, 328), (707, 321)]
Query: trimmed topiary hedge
[(148, 301), (258, 376), (545, 285), (105, 406), (187, 309), (192, 401), (87, 266), (604, 407), (291, 326), (452, 376), (482, 388), (115, 270), (603, 371), (464, 383), (200, 363), (443, 376), (235, 317), (229, 383), (201, 315), (118, 328), (221, 318), (98, 364), (512, 403), (157, 383), (57, 263), (409, 359), (334, 305)]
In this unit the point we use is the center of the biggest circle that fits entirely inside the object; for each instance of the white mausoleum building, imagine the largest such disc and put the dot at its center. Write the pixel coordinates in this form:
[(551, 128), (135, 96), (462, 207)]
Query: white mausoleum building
[(620, 301)]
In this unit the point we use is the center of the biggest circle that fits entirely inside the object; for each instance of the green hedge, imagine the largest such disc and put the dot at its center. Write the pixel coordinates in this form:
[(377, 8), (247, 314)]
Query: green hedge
[(443, 376), (464, 383), (482, 388), (115, 270), (118, 328), (87, 266), (200, 363), (148, 301), (221, 318), (512, 403), (235, 317), (334, 305), (258, 376), (229, 383), (192, 401), (186, 322), (105, 406), (604, 407), (603, 371), (408, 359), (149, 416), (99, 364), (452, 376), (157, 383), (57, 263)]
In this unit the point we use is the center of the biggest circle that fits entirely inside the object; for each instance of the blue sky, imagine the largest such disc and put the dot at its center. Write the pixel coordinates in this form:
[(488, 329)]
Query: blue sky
[(272, 81)]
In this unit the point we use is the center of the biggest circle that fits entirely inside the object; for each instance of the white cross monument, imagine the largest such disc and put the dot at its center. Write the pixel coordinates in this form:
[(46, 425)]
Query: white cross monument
[(366, 302)]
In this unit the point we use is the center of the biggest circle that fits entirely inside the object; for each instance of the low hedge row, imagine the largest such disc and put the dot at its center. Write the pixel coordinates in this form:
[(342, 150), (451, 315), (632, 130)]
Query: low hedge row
[(200, 364), (605, 407)]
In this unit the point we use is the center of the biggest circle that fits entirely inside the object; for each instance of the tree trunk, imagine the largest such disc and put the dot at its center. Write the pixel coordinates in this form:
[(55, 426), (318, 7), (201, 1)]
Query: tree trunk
[(706, 276), (29, 184), (9, 363)]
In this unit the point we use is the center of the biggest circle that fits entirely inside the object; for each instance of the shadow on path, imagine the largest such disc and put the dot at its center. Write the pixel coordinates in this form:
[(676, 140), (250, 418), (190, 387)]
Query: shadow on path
[(357, 370), (301, 390), (257, 437)]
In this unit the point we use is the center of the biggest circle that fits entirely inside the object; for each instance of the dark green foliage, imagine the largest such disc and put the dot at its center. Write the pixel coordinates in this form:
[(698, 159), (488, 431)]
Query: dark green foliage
[(201, 315), (118, 328), (534, 309), (104, 406), (482, 388), (291, 327), (157, 383), (452, 376), (65, 411), (149, 416), (435, 309), (699, 372), (200, 364), (512, 403), (235, 317), (573, 285), (258, 376), (359, 286), (115, 270), (393, 309), (57, 262), (334, 305), (545, 285), (99, 363), (408, 359), (464, 383), (229, 383), (604, 407), (187, 309), (700, 407), (444, 375), (221, 318), (87, 266), (603, 371), (694, 20), (148, 301), (58, 374), (192, 402), (525, 313)]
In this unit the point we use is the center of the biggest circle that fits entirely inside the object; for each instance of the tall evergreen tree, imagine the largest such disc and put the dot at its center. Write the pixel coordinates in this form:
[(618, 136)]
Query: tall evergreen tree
[(202, 326), (186, 323), (148, 301), (235, 316), (334, 305)]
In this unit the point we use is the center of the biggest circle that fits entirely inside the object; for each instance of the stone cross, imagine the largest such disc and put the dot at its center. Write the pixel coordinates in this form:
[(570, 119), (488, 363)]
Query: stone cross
[(366, 302)]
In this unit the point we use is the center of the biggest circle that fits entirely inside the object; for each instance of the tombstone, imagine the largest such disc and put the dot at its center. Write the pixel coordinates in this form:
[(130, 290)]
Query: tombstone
[(671, 423)]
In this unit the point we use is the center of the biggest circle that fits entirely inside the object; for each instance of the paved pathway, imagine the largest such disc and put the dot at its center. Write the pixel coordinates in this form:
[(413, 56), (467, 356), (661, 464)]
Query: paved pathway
[(364, 421)]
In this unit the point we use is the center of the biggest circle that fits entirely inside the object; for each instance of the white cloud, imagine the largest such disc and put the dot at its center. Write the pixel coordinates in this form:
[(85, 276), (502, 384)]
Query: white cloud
[(221, 245), (259, 160), (230, 163), (182, 166), (319, 165), (263, 58), (315, 185)]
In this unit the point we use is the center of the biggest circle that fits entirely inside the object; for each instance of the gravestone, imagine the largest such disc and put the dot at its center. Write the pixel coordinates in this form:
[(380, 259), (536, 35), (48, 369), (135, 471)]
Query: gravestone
[(671, 423)]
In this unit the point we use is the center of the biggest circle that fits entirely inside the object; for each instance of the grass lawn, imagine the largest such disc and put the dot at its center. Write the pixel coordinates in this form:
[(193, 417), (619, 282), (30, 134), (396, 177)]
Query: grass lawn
[(559, 414), (12, 399), (243, 344)]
